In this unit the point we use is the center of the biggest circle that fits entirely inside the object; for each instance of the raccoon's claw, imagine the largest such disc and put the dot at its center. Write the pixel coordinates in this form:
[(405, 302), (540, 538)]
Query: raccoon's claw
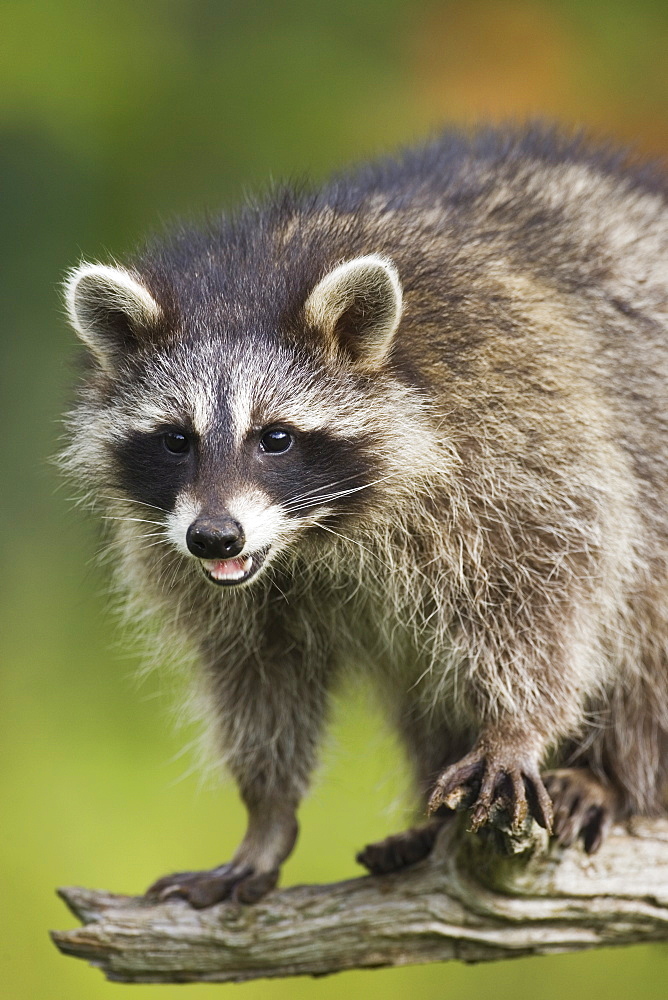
[(487, 782), (583, 807), (401, 849), (201, 889)]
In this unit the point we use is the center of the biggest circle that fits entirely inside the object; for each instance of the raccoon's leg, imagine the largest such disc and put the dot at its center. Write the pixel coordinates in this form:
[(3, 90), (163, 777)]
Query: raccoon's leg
[(621, 770), (270, 717), (528, 680), (584, 806)]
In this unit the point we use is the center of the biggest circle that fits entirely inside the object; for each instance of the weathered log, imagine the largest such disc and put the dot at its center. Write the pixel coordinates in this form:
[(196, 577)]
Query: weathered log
[(476, 898)]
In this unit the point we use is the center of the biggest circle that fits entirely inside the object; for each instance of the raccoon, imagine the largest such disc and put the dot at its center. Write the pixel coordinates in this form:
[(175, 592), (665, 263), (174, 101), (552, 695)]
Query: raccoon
[(411, 424)]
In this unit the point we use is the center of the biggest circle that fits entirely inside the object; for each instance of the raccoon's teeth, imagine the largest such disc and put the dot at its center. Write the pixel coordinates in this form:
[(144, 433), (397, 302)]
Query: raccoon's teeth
[(228, 569)]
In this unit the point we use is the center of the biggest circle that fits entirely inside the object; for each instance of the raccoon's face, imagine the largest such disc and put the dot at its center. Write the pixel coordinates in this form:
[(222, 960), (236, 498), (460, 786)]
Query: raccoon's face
[(235, 445)]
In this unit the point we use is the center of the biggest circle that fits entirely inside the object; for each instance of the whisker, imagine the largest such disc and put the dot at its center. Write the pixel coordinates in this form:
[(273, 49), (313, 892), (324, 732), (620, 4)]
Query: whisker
[(327, 486), (140, 503), (140, 520), (333, 496)]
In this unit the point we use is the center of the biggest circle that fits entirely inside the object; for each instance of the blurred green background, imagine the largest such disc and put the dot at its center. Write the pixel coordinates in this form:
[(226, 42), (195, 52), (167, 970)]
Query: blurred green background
[(115, 118)]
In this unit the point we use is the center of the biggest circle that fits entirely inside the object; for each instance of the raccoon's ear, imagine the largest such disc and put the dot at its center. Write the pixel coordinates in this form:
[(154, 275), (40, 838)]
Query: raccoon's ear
[(110, 310), (358, 306)]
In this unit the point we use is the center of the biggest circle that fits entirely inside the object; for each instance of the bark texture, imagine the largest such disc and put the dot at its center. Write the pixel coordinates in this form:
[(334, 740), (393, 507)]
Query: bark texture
[(476, 898)]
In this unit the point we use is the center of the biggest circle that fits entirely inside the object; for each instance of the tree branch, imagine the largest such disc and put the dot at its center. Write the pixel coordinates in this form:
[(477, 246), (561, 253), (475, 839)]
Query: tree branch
[(476, 898)]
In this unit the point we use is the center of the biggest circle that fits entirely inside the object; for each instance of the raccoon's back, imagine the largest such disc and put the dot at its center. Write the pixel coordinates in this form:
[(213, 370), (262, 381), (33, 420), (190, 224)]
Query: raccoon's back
[(535, 270)]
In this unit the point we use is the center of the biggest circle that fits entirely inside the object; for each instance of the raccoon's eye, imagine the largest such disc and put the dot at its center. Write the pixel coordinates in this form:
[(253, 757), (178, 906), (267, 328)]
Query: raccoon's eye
[(176, 442), (275, 440)]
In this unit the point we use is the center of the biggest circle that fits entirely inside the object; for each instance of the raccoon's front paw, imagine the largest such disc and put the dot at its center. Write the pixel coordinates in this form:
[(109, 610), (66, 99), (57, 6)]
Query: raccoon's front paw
[(240, 883), (491, 778), (583, 807)]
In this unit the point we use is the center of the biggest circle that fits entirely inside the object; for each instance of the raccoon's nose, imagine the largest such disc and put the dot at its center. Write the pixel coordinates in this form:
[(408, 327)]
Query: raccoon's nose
[(215, 539)]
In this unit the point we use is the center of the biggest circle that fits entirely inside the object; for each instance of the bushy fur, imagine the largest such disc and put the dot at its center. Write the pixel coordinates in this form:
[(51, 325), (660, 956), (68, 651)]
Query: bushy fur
[(489, 537)]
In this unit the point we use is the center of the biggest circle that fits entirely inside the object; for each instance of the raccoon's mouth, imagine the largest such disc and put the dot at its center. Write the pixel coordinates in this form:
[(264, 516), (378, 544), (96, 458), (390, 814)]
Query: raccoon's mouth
[(232, 572)]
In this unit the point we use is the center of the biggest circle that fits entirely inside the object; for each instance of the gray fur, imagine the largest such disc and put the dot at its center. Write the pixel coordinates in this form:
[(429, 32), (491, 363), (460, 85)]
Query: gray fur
[(500, 568)]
